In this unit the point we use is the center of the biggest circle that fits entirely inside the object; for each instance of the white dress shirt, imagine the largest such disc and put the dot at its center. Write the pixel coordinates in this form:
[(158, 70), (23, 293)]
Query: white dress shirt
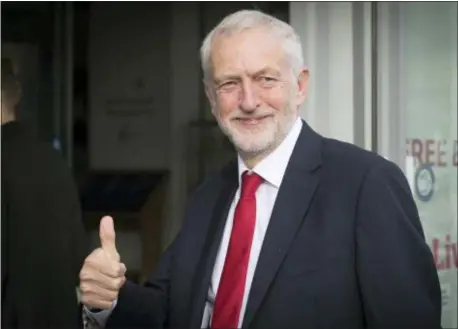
[(271, 169)]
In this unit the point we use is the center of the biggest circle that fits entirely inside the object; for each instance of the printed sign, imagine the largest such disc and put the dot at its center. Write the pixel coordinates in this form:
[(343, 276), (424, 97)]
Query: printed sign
[(424, 182)]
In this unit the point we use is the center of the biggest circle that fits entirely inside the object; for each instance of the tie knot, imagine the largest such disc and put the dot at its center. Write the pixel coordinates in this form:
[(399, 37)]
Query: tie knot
[(250, 183)]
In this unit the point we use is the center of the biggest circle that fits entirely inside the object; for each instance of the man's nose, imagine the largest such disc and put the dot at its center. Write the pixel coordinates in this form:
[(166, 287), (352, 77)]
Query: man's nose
[(249, 101)]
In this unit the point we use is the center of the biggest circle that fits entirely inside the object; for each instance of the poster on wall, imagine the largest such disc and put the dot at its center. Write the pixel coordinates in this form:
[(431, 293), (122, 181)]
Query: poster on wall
[(128, 87)]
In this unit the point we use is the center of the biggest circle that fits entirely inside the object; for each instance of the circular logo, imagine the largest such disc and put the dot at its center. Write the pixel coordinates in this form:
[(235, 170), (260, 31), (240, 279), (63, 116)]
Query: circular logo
[(424, 182)]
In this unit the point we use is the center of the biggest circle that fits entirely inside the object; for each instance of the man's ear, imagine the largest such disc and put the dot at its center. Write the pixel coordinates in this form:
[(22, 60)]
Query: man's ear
[(302, 86)]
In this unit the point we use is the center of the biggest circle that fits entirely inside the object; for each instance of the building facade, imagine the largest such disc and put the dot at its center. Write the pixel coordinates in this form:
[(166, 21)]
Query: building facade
[(383, 76)]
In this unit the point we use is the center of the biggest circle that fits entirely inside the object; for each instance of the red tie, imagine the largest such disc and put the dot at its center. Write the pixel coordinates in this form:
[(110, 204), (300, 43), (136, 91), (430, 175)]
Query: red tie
[(229, 298)]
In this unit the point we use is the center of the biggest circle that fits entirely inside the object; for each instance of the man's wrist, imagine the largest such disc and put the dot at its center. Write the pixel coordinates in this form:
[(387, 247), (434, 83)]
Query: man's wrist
[(94, 310)]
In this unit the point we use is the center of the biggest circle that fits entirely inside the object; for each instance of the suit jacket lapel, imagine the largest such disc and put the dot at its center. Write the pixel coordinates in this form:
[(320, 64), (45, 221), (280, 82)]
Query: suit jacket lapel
[(203, 274), (295, 195)]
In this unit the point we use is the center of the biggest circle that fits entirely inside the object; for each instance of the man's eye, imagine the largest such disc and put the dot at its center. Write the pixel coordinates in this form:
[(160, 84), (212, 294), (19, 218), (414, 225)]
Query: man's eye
[(267, 79), (227, 85)]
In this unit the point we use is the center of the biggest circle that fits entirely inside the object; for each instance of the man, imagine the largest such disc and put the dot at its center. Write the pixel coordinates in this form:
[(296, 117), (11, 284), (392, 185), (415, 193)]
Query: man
[(300, 231), (43, 243)]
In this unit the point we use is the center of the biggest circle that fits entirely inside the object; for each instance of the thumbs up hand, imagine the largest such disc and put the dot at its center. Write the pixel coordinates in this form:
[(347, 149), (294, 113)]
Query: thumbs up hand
[(103, 274), (108, 238)]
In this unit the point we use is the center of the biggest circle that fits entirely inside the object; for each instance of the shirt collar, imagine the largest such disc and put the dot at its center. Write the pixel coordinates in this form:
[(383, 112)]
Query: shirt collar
[(273, 167)]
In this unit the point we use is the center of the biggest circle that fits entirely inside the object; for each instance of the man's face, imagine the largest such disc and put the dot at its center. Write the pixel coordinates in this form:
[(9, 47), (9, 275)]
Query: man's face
[(253, 92)]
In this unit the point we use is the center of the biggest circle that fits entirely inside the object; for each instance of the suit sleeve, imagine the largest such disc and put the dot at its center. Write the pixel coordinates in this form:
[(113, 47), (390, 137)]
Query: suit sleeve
[(397, 275), (145, 306)]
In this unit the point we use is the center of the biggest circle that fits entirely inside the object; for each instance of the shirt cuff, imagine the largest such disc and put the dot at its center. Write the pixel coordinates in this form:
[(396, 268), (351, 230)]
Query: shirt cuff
[(101, 317)]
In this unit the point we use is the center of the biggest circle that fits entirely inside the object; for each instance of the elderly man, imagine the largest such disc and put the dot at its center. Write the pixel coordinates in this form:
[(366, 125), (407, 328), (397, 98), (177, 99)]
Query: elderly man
[(299, 231)]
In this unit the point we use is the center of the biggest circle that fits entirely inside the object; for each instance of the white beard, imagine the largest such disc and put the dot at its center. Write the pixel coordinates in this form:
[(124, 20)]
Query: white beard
[(264, 136)]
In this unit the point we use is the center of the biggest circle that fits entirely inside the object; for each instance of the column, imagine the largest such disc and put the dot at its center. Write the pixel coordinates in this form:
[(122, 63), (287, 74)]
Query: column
[(184, 106), (336, 48)]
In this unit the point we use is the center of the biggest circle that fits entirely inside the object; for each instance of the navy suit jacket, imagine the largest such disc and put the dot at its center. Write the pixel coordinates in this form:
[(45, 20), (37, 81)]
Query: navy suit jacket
[(344, 249)]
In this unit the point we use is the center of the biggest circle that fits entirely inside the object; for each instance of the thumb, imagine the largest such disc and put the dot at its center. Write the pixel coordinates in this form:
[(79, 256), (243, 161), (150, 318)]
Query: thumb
[(108, 237)]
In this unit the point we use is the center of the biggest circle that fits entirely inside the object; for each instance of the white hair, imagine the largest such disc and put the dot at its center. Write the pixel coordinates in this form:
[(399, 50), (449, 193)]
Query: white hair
[(250, 19)]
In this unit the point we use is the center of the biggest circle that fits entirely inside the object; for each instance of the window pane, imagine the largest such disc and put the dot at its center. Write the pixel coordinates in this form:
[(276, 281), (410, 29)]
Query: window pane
[(418, 49)]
